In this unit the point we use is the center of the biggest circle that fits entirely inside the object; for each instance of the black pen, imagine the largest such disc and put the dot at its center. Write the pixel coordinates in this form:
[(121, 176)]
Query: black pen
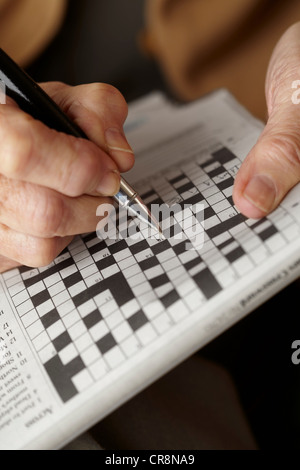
[(34, 101)]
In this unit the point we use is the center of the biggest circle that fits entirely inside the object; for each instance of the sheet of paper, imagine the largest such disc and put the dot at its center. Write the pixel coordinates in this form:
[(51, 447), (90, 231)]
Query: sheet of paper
[(107, 318)]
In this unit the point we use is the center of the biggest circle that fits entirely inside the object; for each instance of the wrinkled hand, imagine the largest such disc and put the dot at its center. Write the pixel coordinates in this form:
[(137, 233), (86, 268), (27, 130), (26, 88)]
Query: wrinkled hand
[(50, 183), (272, 167)]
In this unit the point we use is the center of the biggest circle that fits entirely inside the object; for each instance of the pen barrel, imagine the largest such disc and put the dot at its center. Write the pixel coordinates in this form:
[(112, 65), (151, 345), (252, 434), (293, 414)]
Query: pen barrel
[(32, 99)]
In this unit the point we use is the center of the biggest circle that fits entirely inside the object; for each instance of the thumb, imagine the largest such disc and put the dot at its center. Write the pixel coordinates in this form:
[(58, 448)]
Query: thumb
[(272, 167)]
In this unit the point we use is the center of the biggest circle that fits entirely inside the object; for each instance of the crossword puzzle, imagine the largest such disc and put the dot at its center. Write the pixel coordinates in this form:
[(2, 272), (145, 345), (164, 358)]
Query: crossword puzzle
[(100, 302)]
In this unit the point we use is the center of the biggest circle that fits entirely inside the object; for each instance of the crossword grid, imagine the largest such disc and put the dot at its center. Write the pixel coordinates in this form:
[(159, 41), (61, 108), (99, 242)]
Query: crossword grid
[(100, 302)]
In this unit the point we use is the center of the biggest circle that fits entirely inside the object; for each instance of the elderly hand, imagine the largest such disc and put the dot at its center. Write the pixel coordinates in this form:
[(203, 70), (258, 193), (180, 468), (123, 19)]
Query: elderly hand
[(51, 183), (272, 167)]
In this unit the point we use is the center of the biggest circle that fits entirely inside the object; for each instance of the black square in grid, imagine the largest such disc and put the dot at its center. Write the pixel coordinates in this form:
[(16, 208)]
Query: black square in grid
[(160, 247), (139, 247), (170, 298), (159, 281), (177, 179), (217, 171), (186, 187), (40, 298), (226, 184), (92, 319), (62, 341), (180, 248), (268, 233), (106, 343), (106, 262), (235, 254), (138, 320), (208, 213), (50, 318), (223, 156), (72, 280), (149, 263)]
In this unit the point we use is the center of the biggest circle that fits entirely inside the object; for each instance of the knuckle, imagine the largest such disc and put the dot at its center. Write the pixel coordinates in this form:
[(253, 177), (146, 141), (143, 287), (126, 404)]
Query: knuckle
[(16, 151), (284, 151), (48, 216), (84, 170)]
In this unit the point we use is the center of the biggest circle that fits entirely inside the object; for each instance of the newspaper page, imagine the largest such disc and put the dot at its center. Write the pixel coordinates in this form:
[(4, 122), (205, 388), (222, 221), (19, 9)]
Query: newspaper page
[(111, 315)]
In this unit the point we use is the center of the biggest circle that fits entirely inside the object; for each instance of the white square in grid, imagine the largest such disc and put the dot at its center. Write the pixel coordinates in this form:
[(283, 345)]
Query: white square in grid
[(166, 255), (130, 308), (90, 355), (130, 346), (162, 323), (110, 271), (99, 331), (132, 271), (82, 381), (81, 256), (146, 334), (20, 298), (16, 288), (163, 290), (35, 329), (89, 271), (153, 309), (68, 271), (108, 308), (87, 308), (77, 330), (83, 342), (147, 298), (127, 263), (61, 298), (154, 272), (52, 280), (56, 329), (29, 318), (25, 307), (99, 369), (9, 275), (136, 280), (94, 279), (185, 287), (259, 255), (65, 308), (243, 265), (36, 288), (121, 332), (114, 357), (144, 255), (104, 253), (275, 243), (71, 318), (77, 288), (41, 341), (47, 353), (45, 308), (56, 288), (216, 198), (86, 263), (222, 206), (68, 354), (227, 277), (114, 319), (194, 300), (122, 255), (178, 311)]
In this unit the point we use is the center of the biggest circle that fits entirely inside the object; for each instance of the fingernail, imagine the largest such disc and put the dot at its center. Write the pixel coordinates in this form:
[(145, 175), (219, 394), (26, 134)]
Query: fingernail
[(116, 141), (110, 184), (261, 192)]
